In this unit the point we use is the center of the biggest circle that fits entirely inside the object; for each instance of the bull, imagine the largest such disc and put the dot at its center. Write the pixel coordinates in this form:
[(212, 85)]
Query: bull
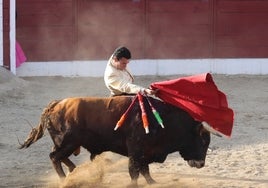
[(89, 122)]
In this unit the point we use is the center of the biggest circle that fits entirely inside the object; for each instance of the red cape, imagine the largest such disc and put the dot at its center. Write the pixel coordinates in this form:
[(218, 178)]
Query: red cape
[(200, 97)]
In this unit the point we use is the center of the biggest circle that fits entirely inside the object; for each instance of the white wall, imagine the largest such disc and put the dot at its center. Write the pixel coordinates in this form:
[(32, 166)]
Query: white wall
[(148, 67), (12, 36)]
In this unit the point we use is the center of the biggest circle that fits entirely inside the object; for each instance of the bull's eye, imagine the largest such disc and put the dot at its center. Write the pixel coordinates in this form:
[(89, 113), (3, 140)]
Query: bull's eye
[(203, 134), (205, 138)]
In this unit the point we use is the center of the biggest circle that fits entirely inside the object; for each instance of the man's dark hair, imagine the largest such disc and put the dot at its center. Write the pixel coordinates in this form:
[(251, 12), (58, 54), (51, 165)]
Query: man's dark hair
[(121, 52)]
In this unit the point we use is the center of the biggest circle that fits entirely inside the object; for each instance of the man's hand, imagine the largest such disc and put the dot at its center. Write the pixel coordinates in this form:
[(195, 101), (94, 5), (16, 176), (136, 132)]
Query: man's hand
[(150, 91)]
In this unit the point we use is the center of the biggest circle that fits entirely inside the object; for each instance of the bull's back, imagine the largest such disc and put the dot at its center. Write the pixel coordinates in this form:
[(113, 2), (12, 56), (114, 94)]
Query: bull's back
[(91, 113), (104, 112)]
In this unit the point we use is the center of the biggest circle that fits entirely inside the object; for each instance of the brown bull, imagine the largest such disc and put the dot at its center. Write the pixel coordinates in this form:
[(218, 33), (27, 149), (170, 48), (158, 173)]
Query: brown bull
[(89, 122)]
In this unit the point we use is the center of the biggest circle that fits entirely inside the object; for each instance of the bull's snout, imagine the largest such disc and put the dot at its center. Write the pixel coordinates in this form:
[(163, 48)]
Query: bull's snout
[(197, 164)]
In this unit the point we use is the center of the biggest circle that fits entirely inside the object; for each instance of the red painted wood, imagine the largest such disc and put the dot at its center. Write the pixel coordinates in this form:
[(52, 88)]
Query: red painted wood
[(178, 29), (104, 25), (45, 29), (92, 29), (241, 29)]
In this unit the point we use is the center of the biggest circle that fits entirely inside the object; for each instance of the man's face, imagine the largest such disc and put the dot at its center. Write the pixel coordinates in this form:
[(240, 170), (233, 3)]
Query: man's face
[(121, 64)]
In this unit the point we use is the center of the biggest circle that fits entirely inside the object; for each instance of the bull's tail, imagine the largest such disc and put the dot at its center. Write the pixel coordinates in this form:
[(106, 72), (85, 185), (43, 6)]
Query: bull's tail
[(38, 132)]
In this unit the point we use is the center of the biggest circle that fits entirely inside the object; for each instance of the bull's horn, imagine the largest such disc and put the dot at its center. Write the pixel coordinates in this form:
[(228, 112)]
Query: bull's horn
[(210, 129)]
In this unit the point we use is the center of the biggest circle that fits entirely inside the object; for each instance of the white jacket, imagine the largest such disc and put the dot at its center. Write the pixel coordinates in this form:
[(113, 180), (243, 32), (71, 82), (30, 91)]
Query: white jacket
[(119, 81)]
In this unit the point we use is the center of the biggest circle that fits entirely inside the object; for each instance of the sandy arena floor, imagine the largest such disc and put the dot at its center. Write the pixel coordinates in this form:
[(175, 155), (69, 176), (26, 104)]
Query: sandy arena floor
[(237, 162)]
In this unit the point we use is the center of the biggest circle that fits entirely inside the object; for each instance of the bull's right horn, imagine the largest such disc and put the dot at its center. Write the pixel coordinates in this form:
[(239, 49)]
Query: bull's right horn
[(210, 129)]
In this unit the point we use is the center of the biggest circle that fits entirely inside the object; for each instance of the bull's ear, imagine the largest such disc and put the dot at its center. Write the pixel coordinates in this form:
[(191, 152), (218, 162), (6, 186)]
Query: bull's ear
[(200, 130), (203, 130)]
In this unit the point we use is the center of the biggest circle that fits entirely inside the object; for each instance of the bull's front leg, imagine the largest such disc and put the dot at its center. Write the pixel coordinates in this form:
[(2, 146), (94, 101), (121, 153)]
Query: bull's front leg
[(133, 168), (136, 167), (144, 170), (71, 166)]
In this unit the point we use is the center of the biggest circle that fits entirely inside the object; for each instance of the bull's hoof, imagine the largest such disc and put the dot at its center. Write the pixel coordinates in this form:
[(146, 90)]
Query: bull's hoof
[(150, 181), (133, 184)]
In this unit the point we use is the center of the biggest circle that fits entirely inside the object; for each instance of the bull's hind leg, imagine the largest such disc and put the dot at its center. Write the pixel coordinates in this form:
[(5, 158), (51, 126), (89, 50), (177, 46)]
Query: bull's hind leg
[(71, 166), (61, 155), (57, 164)]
